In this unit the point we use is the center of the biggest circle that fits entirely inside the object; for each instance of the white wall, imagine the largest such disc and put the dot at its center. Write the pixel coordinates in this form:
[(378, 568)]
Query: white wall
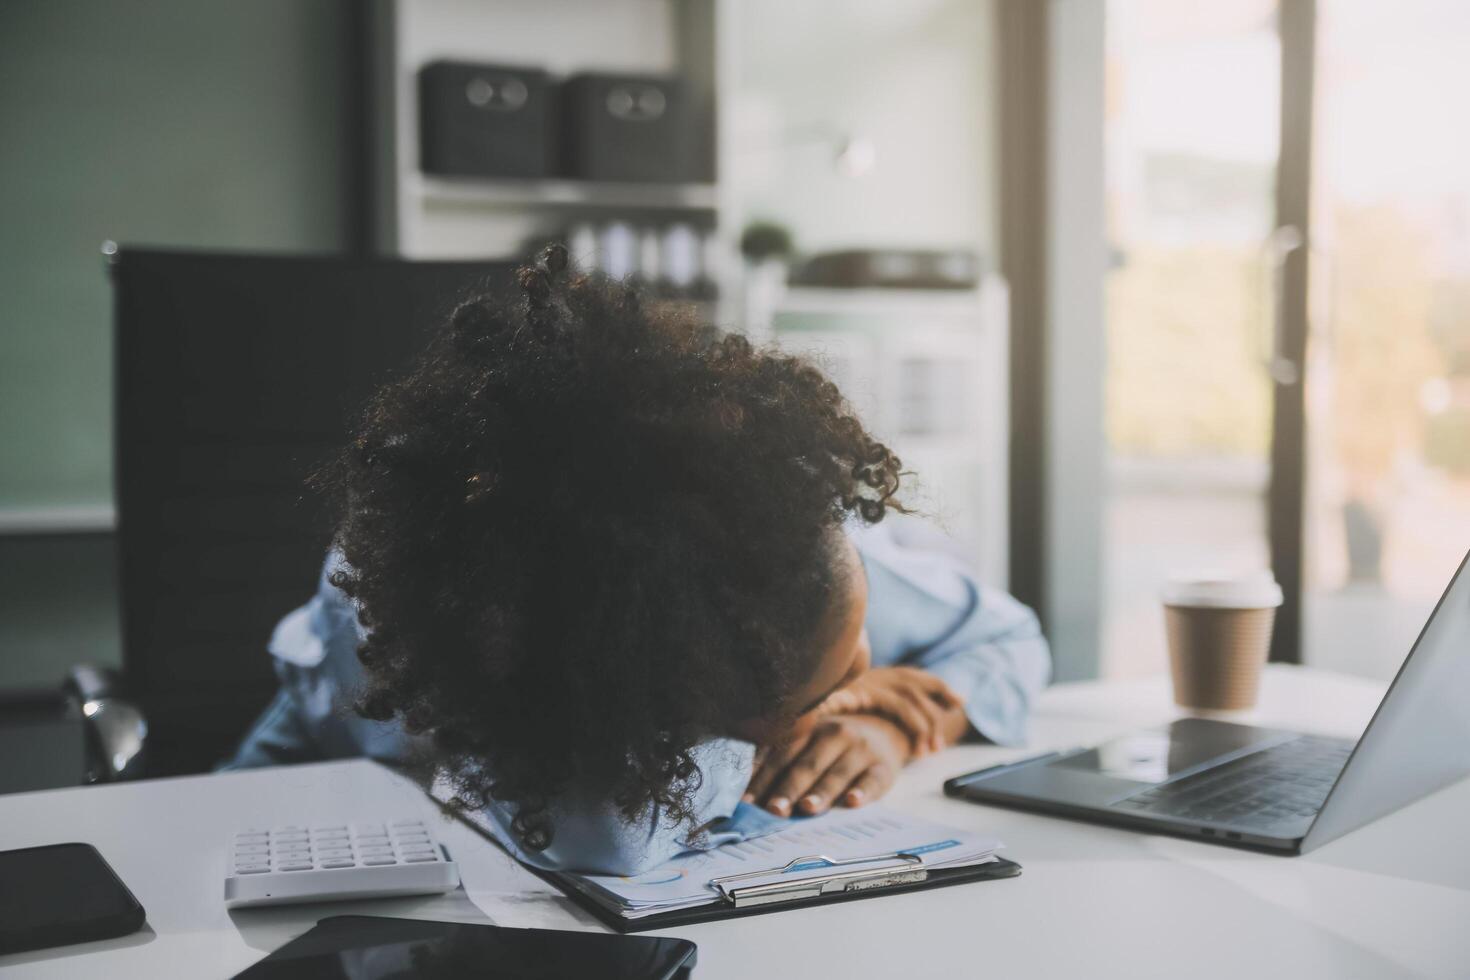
[(178, 123), (913, 76), (161, 122)]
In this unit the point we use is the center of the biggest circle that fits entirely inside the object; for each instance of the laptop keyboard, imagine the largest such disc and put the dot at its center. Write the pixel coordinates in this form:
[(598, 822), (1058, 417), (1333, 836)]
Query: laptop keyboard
[(1283, 783)]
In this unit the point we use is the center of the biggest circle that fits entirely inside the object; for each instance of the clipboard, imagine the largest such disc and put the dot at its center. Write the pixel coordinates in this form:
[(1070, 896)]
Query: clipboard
[(903, 873), (902, 880)]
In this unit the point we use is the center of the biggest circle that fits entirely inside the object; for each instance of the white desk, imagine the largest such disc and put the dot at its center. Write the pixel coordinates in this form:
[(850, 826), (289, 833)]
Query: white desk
[(1391, 900)]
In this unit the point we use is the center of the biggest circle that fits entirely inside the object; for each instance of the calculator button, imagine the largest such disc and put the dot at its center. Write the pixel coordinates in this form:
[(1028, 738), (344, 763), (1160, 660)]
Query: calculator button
[(337, 862), (334, 852), (251, 848), (324, 828), (416, 848), (375, 860), (302, 848), (418, 857), (367, 852), (413, 838), (251, 869), (294, 866)]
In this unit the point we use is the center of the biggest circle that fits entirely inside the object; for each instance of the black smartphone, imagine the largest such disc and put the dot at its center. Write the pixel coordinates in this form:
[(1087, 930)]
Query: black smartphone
[(62, 894), (371, 948)]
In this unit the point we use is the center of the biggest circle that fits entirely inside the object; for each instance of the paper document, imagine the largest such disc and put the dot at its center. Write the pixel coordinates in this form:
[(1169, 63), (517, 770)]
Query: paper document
[(811, 842), (839, 835)]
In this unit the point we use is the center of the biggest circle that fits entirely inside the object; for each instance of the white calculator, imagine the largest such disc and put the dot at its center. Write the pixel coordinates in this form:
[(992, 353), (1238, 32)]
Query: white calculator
[(329, 862)]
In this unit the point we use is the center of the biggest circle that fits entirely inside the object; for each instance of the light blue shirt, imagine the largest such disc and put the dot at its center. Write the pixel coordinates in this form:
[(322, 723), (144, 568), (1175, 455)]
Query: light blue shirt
[(924, 610)]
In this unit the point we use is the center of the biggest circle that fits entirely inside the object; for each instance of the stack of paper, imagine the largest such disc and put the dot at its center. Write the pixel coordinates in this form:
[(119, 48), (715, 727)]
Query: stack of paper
[(840, 835)]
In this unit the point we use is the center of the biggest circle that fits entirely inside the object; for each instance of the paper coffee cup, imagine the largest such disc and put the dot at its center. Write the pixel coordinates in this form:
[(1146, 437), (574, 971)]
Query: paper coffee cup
[(1219, 632)]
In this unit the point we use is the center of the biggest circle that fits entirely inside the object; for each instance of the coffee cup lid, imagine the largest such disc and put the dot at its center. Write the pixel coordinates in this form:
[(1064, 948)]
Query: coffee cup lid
[(1223, 592)]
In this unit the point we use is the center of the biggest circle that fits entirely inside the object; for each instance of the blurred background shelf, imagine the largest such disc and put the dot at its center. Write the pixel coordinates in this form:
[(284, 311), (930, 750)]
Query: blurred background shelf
[(430, 216), (510, 194), (885, 301)]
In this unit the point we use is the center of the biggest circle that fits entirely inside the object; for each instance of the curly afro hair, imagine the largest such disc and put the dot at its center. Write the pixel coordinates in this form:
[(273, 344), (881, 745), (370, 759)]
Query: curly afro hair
[(585, 534)]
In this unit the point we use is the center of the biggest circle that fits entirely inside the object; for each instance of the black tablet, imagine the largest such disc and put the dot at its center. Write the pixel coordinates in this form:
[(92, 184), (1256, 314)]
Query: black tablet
[(362, 947), (62, 894)]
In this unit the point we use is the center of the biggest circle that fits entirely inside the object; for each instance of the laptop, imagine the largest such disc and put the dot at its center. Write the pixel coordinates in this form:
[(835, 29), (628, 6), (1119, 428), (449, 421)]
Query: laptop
[(1262, 788)]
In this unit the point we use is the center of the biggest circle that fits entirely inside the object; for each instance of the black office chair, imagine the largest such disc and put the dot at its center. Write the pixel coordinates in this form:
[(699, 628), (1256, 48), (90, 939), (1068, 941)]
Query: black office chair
[(236, 376)]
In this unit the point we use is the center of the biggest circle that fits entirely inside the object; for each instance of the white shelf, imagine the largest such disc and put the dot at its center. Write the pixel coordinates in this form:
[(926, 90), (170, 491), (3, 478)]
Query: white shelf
[(57, 520), (880, 302), (504, 194), (431, 216), (863, 338)]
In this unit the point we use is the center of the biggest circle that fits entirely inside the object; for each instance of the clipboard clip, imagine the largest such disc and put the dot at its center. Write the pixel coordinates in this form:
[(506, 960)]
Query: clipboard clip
[(903, 868)]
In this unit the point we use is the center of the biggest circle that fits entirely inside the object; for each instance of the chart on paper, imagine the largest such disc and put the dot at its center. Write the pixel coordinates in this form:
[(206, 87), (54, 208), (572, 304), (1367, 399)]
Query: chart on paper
[(841, 835)]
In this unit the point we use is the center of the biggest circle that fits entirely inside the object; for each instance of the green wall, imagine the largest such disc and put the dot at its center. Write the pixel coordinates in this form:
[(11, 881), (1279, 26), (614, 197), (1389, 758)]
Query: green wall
[(163, 122)]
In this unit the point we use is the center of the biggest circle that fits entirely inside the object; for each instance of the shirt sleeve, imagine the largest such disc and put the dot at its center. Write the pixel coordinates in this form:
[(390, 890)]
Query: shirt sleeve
[(925, 609), (310, 719), (279, 737), (287, 731), (592, 837)]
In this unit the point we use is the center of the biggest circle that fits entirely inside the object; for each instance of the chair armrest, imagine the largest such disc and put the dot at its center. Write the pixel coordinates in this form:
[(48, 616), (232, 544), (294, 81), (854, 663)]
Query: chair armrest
[(117, 731)]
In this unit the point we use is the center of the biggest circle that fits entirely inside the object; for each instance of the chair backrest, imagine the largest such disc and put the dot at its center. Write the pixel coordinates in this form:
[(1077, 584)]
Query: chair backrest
[(236, 377)]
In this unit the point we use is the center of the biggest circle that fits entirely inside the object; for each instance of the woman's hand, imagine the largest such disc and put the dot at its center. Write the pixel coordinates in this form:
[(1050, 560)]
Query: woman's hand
[(847, 759), (920, 703)]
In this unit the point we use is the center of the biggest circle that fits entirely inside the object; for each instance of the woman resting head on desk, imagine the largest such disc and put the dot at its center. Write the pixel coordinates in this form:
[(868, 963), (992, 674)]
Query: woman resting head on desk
[(622, 572)]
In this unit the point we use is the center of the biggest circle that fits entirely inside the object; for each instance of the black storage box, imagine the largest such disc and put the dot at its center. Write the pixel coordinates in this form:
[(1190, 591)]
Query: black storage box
[(486, 120), (627, 127)]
